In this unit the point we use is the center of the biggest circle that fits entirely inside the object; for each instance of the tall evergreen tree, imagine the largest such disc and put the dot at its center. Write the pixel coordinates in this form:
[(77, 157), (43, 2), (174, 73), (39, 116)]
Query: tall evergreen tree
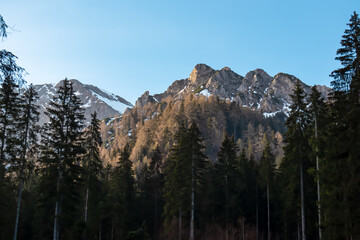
[(198, 164), (122, 196), (296, 149), (342, 157), (157, 182), (92, 169), (10, 75), (62, 149), (267, 171), (184, 171), (10, 106), (173, 177), (226, 172), (28, 129), (317, 128)]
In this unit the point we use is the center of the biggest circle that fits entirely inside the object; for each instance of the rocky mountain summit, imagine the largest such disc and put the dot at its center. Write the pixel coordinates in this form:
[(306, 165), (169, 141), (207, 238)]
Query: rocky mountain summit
[(92, 98), (257, 90)]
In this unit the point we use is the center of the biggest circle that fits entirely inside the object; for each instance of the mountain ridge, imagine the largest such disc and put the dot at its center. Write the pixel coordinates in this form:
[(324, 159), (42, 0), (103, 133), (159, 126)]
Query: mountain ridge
[(106, 104), (257, 90)]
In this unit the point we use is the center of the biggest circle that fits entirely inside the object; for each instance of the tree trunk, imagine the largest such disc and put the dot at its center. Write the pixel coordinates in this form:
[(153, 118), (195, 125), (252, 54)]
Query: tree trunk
[(268, 209), (57, 205), (318, 181), (86, 204), (192, 199), (257, 214), (302, 202), (18, 207), (85, 212), (243, 229), (180, 227), (226, 208), (155, 212), (57, 211), (23, 155), (100, 230), (112, 228)]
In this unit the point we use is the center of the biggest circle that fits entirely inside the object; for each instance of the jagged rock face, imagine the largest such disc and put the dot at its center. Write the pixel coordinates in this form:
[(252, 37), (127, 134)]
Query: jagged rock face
[(92, 98), (252, 88), (257, 90), (224, 83), (144, 99), (277, 95), (174, 89), (201, 74)]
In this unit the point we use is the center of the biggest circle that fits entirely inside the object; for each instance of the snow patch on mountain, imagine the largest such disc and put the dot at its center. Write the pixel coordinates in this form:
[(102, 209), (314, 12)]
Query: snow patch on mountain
[(116, 105)]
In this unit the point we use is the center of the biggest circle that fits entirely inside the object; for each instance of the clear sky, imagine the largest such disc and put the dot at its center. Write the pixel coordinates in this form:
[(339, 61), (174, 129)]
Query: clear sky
[(128, 47)]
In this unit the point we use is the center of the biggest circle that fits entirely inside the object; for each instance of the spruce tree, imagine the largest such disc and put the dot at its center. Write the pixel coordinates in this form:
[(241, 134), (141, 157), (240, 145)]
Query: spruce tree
[(122, 196), (342, 156), (183, 176), (10, 106), (226, 173), (10, 75), (157, 182), (198, 165), (296, 148), (92, 171), (62, 149), (317, 128), (266, 175), (28, 129)]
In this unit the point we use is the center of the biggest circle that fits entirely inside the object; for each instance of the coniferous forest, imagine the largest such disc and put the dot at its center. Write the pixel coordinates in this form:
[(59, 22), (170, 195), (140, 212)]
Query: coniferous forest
[(54, 184)]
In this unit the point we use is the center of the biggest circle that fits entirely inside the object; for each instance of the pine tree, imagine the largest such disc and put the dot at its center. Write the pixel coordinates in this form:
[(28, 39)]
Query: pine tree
[(342, 156), (10, 106), (174, 181), (92, 169), (226, 171), (183, 176), (62, 150), (28, 129), (198, 164), (317, 128), (157, 182), (247, 189), (122, 196), (10, 75), (296, 148), (267, 170)]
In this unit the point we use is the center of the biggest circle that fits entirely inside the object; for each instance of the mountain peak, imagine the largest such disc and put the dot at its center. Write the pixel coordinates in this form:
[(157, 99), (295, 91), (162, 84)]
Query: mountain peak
[(226, 69), (92, 98), (257, 73), (200, 74)]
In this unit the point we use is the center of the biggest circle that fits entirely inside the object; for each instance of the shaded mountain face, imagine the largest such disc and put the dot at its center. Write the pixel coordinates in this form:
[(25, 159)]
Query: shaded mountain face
[(92, 98), (257, 90)]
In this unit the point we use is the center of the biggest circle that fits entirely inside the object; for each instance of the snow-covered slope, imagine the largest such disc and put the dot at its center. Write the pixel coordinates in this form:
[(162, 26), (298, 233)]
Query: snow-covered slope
[(105, 104)]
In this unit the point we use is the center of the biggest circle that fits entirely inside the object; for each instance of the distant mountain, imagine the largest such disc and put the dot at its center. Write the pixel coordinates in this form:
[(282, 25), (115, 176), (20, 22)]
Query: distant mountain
[(106, 104), (219, 101), (257, 90)]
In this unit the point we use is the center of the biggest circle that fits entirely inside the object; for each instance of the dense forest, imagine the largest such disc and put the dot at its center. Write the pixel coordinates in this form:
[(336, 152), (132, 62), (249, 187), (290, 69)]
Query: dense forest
[(54, 182)]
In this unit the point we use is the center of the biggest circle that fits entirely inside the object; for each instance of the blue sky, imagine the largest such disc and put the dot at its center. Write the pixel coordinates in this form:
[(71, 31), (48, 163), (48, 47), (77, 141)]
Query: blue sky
[(128, 47)]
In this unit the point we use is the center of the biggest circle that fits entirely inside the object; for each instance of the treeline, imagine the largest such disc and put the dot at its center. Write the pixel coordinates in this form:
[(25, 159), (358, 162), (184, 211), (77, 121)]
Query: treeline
[(53, 183)]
